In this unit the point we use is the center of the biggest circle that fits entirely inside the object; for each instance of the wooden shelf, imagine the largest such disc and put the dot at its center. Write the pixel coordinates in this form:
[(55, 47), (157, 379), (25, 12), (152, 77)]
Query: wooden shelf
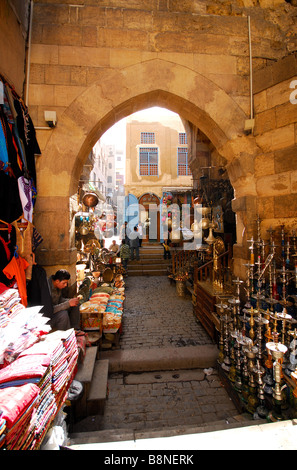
[(207, 296)]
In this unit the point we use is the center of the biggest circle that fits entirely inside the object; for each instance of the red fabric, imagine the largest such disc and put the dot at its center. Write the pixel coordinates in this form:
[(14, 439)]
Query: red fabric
[(14, 401), (17, 268), (25, 368), (3, 288)]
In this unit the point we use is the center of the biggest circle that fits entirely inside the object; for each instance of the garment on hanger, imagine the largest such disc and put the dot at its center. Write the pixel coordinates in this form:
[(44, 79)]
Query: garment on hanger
[(7, 248), (10, 114), (14, 167), (25, 191), (19, 134), (24, 236), (11, 206), (36, 239), (4, 162), (16, 269), (27, 134)]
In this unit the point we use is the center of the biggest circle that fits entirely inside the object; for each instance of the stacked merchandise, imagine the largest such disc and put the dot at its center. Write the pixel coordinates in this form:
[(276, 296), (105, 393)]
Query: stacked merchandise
[(49, 365), (22, 330), (27, 373), (61, 348), (104, 309), (18, 406), (64, 362), (2, 429), (47, 407), (9, 306), (92, 312), (112, 319), (70, 343)]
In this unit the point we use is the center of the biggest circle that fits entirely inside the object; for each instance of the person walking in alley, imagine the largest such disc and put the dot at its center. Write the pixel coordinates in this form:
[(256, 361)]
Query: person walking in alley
[(134, 243), (166, 247), (125, 254), (125, 233), (140, 231)]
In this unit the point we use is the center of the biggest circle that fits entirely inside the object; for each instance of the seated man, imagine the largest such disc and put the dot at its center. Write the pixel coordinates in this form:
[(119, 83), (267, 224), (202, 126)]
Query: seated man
[(114, 247), (65, 311)]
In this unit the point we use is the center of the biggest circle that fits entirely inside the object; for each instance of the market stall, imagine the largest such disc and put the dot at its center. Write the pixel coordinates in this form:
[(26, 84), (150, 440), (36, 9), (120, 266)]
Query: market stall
[(254, 322), (37, 367), (102, 308)]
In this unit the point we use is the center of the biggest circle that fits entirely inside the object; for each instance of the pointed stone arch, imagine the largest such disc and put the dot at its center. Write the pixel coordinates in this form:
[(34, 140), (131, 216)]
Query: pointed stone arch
[(115, 95)]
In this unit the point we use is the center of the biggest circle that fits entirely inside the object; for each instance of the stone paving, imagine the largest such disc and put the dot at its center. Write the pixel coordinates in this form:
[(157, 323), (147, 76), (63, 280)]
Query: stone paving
[(156, 317)]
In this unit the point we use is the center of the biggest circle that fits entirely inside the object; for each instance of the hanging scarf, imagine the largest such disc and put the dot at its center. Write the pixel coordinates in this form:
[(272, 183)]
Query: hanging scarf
[(25, 190)]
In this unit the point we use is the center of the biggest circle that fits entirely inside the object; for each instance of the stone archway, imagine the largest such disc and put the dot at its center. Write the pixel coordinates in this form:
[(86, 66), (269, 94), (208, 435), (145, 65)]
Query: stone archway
[(114, 96)]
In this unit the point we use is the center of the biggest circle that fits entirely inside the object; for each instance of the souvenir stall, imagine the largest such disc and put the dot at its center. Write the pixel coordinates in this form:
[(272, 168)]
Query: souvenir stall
[(36, 371), (210, 240), (256, 325), (101, 308), (37, 365), (100, 283)]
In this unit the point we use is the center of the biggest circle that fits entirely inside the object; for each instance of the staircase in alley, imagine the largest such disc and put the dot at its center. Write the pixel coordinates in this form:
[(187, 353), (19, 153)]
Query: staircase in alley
[(151, 261)]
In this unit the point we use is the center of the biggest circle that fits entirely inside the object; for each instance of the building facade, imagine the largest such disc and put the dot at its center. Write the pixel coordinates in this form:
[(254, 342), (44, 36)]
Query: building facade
[(156, 156)]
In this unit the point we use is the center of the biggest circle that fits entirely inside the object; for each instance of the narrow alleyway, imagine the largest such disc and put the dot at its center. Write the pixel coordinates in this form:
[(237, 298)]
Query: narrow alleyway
[(159, 401), (155, 317)]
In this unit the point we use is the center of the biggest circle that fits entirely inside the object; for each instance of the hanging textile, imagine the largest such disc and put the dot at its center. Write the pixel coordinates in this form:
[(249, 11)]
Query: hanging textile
[(10, 206), (18, 145), (24, 237), (25, 192), (4, 162), (7, 248), (16, 269)]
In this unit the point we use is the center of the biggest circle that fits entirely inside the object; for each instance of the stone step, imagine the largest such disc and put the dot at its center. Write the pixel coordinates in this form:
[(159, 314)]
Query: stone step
[(149, 261), (147, 267), (158, 251), (81, 439), (84, 375), (154, 359), (90, 372), (146, 243), (148, 273), (98, 390)]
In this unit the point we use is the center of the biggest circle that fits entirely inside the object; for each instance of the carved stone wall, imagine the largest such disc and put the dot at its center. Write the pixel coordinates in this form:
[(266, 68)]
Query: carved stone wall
[(97, 62)]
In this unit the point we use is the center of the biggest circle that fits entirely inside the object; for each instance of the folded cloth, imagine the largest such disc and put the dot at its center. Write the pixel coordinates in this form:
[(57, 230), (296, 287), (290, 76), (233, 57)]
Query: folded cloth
[(15, 401), (24, 370)]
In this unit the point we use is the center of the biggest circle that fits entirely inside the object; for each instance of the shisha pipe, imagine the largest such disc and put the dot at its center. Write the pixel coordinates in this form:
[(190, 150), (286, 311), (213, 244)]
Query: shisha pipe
[(277, 351), (284, 317), (295, 256), (283, 243), (268, 377), (259, 372), (221, 307), (248, 289), (260, 323), (251, 248), (293, 360), (272, 273), (261, 273), (226, 318)]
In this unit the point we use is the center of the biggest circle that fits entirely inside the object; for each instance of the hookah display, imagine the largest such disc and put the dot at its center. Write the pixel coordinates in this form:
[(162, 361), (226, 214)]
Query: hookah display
[(258, 342)]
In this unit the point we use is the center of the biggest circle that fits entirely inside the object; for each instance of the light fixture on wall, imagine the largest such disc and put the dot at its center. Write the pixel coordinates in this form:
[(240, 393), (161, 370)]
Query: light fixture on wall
[(50, 118)]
